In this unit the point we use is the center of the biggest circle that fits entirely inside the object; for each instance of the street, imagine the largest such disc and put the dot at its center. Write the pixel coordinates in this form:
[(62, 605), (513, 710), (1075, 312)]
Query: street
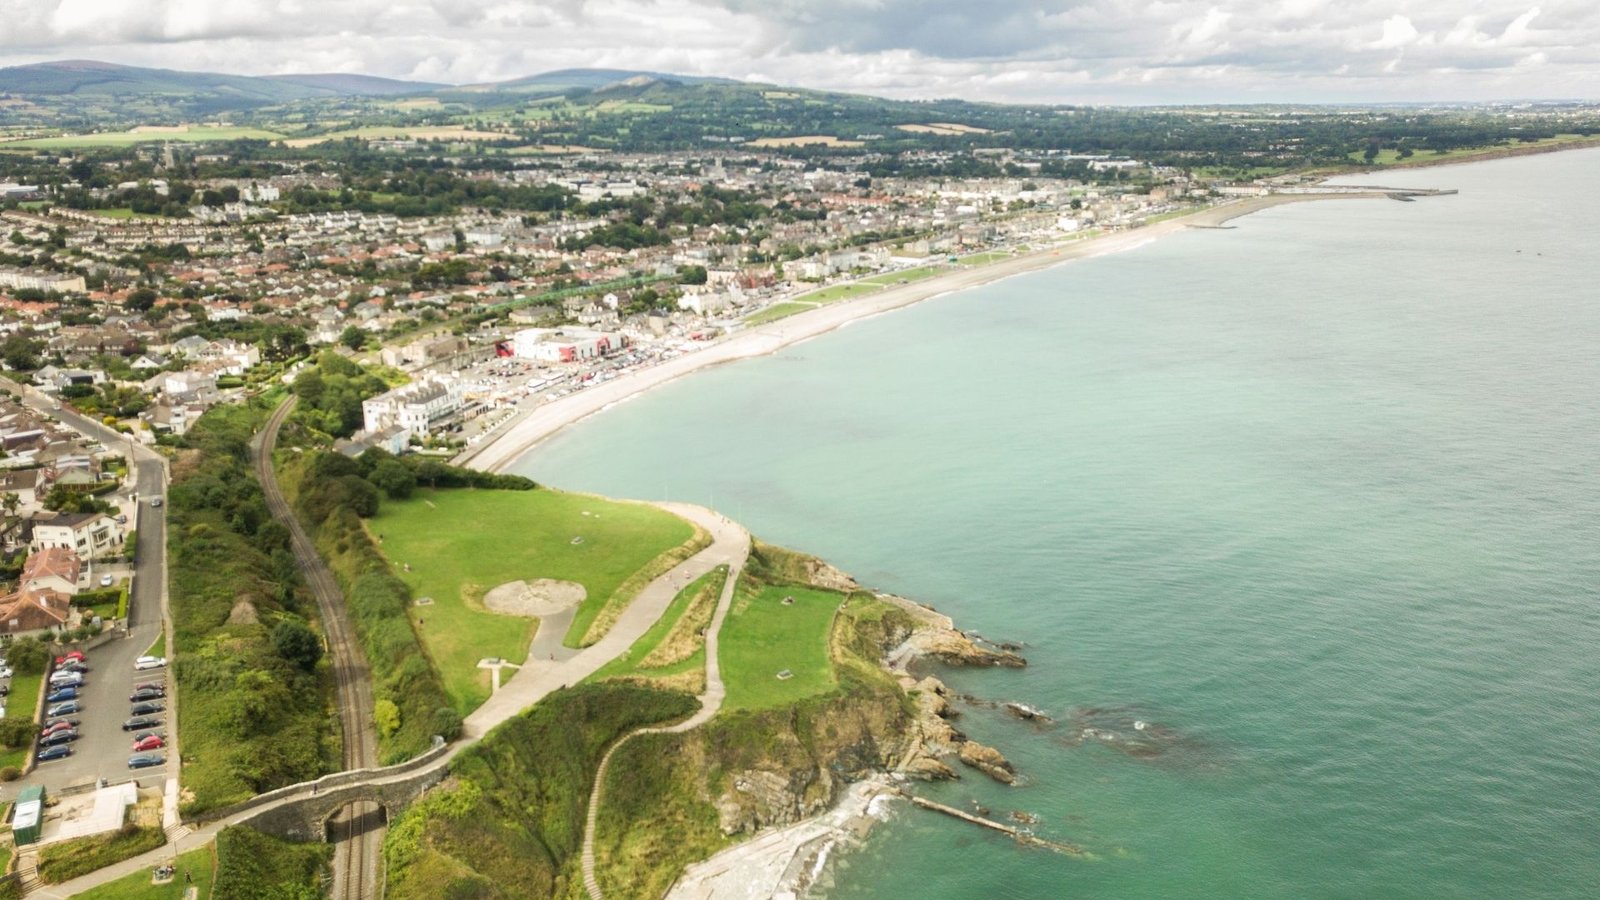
[(103, 750)]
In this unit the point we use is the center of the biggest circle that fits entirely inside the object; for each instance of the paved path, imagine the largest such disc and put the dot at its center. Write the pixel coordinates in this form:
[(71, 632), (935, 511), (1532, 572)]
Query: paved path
[(710, 703), (730, 546)]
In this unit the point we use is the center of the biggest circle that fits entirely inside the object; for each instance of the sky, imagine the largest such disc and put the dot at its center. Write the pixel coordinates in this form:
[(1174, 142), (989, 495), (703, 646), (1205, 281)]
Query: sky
[(1049, 51)]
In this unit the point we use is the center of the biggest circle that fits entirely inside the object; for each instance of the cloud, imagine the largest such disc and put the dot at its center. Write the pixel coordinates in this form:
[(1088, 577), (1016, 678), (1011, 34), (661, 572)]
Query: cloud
[(1028, 50)]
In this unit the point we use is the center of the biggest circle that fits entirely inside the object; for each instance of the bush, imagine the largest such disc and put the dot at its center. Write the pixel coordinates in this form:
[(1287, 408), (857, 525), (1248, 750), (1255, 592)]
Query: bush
[(255, 866), (10, 773), (17, 731), (69, 859), (28, 656)]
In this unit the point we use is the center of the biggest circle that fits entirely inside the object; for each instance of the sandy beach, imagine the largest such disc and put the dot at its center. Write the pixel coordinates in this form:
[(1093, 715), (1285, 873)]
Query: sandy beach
[(504, 448)]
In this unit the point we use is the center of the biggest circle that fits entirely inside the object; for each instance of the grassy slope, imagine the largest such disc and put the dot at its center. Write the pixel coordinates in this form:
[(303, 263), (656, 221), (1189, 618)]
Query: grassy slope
[(20, 704), (460, 543), (700, 595), (777, 311), (199, 863), (509, 823)]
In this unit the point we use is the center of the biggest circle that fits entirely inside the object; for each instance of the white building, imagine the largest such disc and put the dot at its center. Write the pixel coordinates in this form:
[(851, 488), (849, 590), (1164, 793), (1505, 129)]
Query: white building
[(89, 535), (564, 344), (420, 408)]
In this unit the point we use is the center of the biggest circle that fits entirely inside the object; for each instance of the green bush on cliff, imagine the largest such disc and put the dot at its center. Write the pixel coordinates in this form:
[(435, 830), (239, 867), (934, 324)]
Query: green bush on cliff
[(256, 866), (512, 815)]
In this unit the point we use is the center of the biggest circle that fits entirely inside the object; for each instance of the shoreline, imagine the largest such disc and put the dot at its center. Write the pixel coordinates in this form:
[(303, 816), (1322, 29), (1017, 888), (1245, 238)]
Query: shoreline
[(544, 421)]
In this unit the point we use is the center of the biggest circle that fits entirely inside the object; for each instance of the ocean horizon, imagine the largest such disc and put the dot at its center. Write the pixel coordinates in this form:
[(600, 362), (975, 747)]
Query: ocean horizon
[(1296, 520)]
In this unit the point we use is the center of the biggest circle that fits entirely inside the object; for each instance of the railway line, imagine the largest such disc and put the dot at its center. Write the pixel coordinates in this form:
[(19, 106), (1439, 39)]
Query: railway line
[(357, 831)]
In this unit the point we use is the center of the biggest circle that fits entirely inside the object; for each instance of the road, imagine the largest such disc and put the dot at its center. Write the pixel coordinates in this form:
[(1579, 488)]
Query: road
[(103, 750), (358, 831)]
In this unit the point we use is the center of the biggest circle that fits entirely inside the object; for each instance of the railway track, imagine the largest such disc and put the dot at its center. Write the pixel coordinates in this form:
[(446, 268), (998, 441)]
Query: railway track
[(357, 831)]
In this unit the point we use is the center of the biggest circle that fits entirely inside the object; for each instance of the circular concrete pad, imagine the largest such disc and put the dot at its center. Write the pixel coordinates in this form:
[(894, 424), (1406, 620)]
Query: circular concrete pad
[(539, 597)]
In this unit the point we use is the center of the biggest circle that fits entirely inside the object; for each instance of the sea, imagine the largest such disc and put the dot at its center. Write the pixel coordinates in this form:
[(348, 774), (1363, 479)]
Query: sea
[(1297, 523)]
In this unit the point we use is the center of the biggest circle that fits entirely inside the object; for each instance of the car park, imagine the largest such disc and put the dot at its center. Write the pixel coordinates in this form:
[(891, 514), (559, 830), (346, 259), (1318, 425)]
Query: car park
[(149, 662), (141, 722), (143, 694), (146, 760), (65, 708), (149, 742), (59, 737), (59, 751), (62, 693), (146, 709)]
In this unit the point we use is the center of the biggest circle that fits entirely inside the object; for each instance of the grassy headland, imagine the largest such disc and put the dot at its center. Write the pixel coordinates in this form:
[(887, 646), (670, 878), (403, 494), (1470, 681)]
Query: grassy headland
[(454, 545)]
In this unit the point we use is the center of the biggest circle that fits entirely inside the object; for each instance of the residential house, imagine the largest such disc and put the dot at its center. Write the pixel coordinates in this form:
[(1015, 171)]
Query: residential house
[(55, 569), (90, 535), (421, 407)]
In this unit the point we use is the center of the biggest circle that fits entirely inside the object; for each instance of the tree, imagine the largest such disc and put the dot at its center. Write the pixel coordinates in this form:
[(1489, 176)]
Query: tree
[(28, 656), (9, 501), (353, 337), (141, 300), (17, 731), (394, 478), (297, 644), (22, 351)]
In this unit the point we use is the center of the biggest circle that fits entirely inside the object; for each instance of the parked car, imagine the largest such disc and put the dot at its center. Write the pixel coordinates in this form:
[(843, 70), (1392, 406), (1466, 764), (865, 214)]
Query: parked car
[(150, 685), (140, 722), (66, 678), (107, 581), (58, 725), (146, 760), (5, 671), (69, 655), (155, 501), (66, 708), (149, 742), (149, 662), (149, 734), (4, 689), (65, 736), (73, 665), (60, 751), (143, 694), (146, 709), (62, 693)]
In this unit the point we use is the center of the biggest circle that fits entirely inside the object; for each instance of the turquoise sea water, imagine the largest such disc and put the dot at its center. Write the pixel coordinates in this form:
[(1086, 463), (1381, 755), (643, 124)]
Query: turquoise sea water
[(1316, 498)]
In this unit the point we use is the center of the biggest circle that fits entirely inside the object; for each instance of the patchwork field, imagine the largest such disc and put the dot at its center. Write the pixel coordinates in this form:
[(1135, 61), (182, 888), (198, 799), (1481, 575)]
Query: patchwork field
[(390, 132), (454, 545), (144, 134)]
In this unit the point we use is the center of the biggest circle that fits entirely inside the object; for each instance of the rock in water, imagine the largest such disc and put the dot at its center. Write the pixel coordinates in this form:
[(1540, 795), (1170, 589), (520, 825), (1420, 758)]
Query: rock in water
[(988, 761)]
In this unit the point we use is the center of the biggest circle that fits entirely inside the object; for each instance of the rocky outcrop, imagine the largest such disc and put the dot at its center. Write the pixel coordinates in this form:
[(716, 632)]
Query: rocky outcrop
[(953, 648), (987, 760)]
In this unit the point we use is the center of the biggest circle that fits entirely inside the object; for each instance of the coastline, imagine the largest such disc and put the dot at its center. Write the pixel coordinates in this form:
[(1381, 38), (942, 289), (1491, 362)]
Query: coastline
[(532, 428)]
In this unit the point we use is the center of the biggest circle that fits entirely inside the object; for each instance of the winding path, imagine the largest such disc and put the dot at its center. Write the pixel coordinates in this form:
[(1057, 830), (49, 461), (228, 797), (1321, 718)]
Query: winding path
[(710, 703), (730, 546), (358, 849)]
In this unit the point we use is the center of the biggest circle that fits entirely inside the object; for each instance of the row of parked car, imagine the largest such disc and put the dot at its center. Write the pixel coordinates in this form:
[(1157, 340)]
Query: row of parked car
[(61, 729)]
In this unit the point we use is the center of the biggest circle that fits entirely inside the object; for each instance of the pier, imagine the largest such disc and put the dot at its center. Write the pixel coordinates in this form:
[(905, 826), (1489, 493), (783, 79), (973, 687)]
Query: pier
[(1017, 834)]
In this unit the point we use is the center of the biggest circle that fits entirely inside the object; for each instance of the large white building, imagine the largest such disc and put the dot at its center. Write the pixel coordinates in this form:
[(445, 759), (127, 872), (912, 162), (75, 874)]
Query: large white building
[(22, 279), (564, 344), (420, 408)]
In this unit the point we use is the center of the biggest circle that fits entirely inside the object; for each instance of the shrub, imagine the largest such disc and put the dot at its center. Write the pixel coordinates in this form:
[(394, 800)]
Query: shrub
[(10, 773), (28, 656), (69, 859)]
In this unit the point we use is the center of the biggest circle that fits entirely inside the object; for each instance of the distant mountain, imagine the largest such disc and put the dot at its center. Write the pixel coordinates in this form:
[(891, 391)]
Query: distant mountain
[(565, 80), (360, 85), (80, 76)]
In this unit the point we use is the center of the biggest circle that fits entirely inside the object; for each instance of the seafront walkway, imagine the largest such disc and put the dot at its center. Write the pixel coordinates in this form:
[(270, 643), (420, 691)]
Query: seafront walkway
[(710, 699), (730, 546)]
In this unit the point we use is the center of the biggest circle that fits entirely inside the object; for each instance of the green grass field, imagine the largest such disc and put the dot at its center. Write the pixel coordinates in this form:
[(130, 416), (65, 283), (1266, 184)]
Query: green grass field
[(137, 886), (20, 704), (906, 275), (461, 543), (842, 292), (983, 259), (762, 637), (777, 311), (129, 138)]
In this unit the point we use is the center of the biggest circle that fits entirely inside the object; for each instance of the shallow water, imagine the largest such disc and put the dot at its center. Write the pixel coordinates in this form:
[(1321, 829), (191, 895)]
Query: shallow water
[(1315, 498)]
